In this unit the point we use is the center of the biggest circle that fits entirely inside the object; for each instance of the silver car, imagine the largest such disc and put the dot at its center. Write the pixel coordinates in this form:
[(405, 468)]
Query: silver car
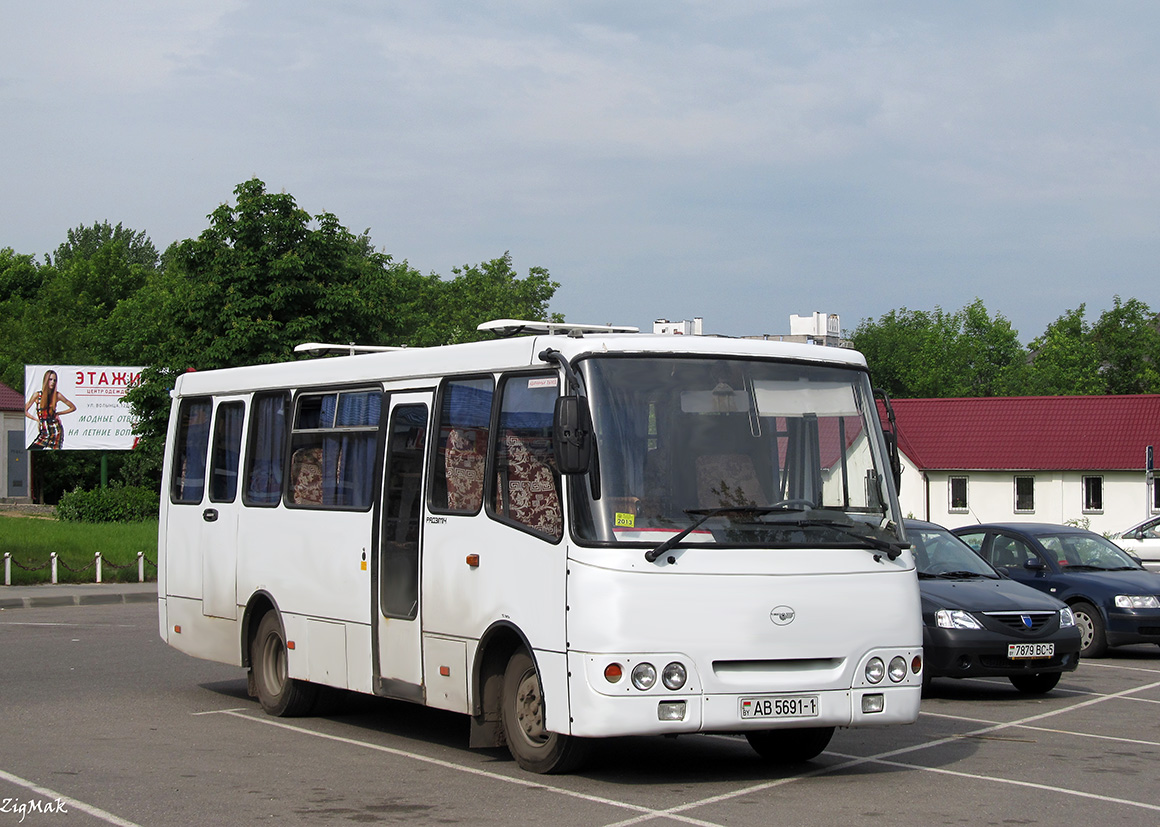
[(1143, 541)]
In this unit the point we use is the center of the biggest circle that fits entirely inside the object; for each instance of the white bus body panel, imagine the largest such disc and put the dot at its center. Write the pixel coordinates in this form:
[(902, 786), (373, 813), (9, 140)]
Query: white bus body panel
[(701, 612)]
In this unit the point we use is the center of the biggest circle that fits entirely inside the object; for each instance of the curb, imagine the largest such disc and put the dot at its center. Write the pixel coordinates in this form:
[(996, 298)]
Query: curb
[(40, 601)]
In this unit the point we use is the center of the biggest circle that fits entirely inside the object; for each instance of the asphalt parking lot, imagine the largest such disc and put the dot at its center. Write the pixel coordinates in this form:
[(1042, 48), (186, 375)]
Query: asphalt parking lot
[(105, 721)]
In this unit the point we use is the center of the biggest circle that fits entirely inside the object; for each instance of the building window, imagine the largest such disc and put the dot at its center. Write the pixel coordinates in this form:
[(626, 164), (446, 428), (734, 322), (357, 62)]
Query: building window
[(958, 493), (1093, 493), (1155, 495), (1025, 493)]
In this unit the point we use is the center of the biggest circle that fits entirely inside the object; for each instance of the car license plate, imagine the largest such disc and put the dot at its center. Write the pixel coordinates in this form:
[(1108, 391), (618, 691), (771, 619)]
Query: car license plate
[(1027, 651), (797, 706)]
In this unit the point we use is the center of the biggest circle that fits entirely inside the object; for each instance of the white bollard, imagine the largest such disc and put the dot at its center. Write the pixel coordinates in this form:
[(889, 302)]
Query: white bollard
[(140, 567), (53, 557), (7, 569), (98, 564)]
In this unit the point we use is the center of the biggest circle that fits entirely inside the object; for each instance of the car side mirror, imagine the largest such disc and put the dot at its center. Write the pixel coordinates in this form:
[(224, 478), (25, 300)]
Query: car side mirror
[(572, 435), (1034, 564)]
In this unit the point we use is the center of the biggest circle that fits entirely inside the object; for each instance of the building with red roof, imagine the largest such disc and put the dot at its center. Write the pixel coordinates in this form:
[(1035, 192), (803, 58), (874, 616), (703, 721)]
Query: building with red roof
[(1035, 458), (13, 451)]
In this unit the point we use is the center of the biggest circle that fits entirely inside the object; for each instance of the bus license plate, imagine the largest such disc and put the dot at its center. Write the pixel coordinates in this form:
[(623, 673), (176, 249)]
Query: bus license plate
[(1027, 651), (798, 706)]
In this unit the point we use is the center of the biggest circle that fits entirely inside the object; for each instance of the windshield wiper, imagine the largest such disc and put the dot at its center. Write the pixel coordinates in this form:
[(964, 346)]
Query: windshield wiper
[(893, 548), (959, 575), (652, 554)]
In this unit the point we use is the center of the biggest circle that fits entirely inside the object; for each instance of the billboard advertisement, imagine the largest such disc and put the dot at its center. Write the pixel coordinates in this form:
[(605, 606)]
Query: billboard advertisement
[(77, 408)]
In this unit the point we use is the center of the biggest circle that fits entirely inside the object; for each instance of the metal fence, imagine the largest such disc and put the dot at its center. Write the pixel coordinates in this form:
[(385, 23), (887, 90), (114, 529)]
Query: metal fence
[(97, 564)]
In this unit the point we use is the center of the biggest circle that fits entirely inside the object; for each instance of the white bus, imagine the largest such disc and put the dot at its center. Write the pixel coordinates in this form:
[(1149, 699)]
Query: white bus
[(564, 537)]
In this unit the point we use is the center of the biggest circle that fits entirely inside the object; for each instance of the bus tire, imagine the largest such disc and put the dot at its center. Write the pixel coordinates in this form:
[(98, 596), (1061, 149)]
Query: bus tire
[(279, 694), (790, 746), (533, 747)]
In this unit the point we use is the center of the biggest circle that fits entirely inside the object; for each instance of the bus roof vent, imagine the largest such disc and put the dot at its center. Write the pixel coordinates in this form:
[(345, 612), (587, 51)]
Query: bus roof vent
[(351, 349), (516, 327)]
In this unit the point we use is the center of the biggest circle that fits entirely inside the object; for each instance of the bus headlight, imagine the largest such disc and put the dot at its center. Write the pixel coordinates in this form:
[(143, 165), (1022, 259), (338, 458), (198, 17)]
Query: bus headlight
[(897, 669), (674, 676), (644, 676), (875, 670)]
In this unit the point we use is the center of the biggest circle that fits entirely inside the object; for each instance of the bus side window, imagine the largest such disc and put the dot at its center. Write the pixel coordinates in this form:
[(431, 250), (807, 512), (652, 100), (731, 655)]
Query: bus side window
[(267, 449), (333, 449), (461, 450), (527, 483), (227, 452), (190, 451)]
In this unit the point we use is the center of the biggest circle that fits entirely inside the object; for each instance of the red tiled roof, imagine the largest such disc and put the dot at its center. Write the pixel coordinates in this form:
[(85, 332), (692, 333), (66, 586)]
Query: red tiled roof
[(1057, 433), (10, 400)]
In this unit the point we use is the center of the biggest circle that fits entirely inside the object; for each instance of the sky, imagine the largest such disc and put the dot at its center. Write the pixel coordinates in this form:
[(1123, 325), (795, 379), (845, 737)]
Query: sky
[(737, 161)]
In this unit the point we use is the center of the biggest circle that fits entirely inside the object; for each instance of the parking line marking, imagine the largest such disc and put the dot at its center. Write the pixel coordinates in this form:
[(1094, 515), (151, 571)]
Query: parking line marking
[(1030, 784), (1117, 666), (676, 813), (1098, 737), (96, 812), (646, 812)]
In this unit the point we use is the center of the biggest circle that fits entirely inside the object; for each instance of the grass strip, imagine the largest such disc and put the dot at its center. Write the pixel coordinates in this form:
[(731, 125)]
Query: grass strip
[(31, 541)]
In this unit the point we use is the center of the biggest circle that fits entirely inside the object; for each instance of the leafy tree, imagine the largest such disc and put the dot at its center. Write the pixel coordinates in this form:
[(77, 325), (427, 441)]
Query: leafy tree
[(1065, 360), (916, 353), (478, 293), (265, 276), (1127, 339)]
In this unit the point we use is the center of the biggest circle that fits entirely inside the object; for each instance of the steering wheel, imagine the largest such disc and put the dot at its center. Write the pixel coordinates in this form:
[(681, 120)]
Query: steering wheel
[(799, 501)]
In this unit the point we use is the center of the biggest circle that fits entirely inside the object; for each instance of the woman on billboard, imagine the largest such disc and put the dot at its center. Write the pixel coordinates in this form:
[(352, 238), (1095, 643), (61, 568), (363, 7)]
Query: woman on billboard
[(50, 432)]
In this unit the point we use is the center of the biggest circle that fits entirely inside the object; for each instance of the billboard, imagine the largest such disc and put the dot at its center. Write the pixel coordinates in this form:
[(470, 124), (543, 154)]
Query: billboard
[(77, 408)]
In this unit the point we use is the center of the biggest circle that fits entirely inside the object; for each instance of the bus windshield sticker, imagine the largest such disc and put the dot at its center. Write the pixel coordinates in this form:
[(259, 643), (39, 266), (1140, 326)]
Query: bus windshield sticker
[(543, 382)]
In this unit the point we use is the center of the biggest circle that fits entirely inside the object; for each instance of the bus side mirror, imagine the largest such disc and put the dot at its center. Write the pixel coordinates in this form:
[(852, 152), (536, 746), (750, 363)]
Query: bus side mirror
[(572, 435)]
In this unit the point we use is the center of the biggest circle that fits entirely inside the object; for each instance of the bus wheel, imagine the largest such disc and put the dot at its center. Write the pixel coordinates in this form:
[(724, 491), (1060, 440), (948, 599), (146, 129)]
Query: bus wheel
[(790, 746), (533, 747), (279, 695)]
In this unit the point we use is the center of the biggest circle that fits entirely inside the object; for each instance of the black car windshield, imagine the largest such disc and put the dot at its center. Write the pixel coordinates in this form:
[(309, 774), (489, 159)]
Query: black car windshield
[(760, 444), (938, 553), (1089, 552)]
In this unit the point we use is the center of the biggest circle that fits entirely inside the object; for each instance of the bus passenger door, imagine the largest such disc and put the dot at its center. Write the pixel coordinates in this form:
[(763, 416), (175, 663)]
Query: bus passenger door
[(398, 654), (219, 512)]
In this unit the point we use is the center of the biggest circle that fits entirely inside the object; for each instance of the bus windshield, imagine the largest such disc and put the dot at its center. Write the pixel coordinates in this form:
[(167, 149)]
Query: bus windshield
[(743, 452)]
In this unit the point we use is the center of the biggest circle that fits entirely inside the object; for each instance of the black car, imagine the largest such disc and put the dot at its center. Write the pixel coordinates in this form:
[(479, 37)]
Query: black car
[(1115, 600), (978, 623)]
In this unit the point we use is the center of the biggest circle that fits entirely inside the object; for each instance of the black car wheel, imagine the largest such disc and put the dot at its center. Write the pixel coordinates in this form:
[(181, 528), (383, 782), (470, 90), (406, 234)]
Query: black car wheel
[(1093, 637)]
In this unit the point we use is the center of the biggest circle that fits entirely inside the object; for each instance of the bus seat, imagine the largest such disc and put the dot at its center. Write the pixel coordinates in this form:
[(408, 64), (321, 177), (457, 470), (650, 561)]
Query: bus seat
[(728, 479), (530, 495), (464, 461), (306, 476)]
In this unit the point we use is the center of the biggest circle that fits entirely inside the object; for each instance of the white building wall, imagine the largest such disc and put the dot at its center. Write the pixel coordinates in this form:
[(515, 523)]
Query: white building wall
[(1059, 497)]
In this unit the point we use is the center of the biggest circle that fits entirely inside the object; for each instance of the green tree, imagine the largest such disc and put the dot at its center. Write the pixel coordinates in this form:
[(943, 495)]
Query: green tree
[(1065, 360), (1127, 340), (20, 280), (265, 276), (917, 354)]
